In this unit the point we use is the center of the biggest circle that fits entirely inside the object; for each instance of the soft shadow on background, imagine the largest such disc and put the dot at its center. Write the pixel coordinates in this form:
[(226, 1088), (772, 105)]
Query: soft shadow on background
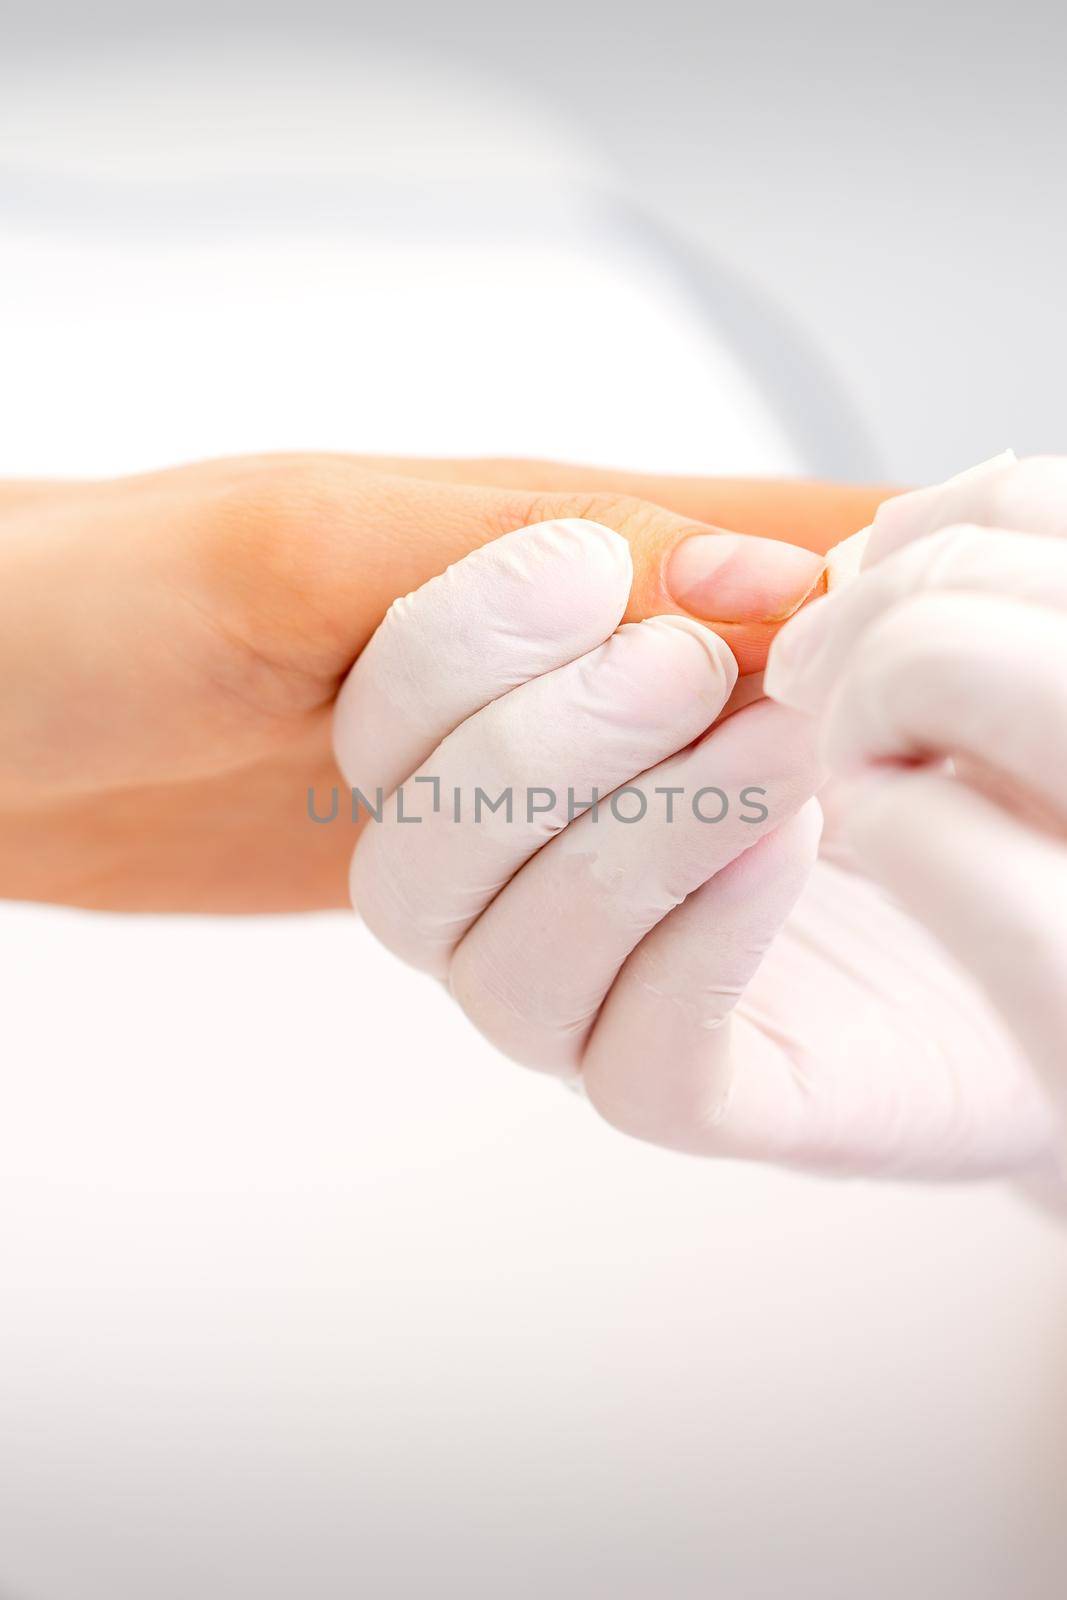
[(892, 174)]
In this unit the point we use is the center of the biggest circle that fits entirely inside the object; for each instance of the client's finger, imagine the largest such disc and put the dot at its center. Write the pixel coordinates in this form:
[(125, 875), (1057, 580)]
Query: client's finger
[(304, 555), (802, 512)]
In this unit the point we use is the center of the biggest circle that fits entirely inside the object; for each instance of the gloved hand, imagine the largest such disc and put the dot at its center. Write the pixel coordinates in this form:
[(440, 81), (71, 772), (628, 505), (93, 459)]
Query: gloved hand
[(171, 646), (667, 963), (939, 680)]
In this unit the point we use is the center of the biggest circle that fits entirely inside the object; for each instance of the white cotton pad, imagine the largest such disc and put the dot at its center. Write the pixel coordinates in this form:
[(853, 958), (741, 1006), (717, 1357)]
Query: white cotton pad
[(904, 518), (845, 559)]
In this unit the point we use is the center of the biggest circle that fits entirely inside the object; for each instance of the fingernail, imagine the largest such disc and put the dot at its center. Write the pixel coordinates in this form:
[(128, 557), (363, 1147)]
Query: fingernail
[(736, 577)]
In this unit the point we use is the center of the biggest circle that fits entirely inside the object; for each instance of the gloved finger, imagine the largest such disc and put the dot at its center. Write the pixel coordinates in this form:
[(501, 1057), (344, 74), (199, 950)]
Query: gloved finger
[(533, 971), (954, 675), (513, 609), (823, 1090), (1030, 495), (966, 497), (660, 1063), (990, 888), (871, 1053), (820, 644), (519, 770)]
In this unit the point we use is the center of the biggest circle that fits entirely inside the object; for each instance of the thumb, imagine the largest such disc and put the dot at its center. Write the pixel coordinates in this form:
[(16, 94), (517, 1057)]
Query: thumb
[(336, 544)]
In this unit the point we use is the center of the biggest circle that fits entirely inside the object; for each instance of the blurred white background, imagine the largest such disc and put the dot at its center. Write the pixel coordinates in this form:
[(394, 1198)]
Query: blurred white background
[(892, 175), (307, 1293)]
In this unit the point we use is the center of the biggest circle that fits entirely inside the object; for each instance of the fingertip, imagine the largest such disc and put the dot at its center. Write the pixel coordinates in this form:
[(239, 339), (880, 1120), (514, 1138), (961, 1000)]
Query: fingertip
[(735, 577), (716, 648), (793, 654), (590, 533), (968, 496), (805, 829)]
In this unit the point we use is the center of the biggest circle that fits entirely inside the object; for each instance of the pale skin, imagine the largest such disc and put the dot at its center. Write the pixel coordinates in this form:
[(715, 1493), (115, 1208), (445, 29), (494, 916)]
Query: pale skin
[(171, 646)]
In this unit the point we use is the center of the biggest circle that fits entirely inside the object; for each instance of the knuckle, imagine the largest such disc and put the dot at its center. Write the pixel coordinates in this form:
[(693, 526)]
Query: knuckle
[(625, 514)]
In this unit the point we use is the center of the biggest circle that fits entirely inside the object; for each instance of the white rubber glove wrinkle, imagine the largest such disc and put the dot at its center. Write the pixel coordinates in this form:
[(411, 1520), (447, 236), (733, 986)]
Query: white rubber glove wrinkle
[(955, 646), (661, 1064), (533, 971), (876, 1054), (844, 1040), (649, 690), (989, 887)]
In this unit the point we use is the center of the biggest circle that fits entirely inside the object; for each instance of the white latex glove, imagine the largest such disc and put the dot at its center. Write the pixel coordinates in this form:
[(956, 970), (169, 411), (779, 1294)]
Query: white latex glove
[(630, 952), (939, 679)]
